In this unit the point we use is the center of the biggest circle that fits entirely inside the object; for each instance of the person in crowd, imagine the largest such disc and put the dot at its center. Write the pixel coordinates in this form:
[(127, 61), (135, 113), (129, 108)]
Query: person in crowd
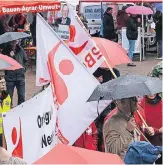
[(33, 28), (132, 35), (17, 21), (4, 24), (64, 20), (152, 106), (84, 20), (158, 22), (119, 131), (16, 78), (5, 104), (108, 24), (92, 138), (102, 29), (5, 158)]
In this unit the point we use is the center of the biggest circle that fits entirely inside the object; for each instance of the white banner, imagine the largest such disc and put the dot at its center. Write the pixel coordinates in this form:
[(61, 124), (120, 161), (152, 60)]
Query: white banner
[(30, 127), (73, 85)]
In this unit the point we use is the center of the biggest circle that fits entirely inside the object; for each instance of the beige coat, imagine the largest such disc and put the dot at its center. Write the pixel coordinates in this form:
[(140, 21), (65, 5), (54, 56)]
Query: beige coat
[(116, 137)]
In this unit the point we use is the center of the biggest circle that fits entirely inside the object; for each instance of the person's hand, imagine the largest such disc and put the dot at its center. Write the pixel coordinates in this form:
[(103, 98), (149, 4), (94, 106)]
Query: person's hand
[(12, 53), (161, 130), (150, 131), (131, 125), (139, 20)]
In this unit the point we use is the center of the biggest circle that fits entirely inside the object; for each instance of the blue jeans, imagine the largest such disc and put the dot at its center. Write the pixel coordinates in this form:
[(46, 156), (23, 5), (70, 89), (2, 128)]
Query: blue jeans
[(20, 86), (131, 48)]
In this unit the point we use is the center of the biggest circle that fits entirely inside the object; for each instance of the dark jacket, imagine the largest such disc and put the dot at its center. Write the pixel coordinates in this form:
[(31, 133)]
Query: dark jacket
[(159, 28), (132, 28), (108, 25), (20, 57), (59, 21)]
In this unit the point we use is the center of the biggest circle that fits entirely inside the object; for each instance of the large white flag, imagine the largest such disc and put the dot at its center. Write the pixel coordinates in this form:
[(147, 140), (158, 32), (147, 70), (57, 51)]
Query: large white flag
[(73, 85), (80, 42), (30, 127)]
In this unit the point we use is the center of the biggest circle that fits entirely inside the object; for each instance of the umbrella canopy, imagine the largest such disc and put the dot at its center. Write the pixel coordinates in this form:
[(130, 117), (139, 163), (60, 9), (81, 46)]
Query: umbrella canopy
[(139, 10), (113, 52), (126, 87), (8, 63), (62, 154), (11, 36)]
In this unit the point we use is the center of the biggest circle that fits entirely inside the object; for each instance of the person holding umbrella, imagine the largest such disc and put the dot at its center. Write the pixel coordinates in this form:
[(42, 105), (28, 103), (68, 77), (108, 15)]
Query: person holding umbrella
[(121, 129), (132, 34), (16, 78)]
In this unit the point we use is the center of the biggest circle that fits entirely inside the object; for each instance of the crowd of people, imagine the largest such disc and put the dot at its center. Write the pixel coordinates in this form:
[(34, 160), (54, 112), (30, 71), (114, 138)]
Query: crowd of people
[(116, 127)]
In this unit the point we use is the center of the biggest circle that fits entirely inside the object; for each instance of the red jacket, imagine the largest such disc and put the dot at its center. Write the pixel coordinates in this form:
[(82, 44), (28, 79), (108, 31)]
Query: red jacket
[(88, 139), (152, 114)]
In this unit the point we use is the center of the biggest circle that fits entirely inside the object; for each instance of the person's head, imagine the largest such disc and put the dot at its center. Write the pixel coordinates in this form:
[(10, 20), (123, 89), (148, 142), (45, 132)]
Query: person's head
[(109, 10), (127, 105), (153, 99), (104, 75), (65, 11), (2, 84), (13, 44)]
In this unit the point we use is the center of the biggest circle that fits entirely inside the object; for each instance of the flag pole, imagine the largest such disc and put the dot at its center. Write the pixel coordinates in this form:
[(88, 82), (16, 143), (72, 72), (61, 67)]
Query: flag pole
[(110, 68)]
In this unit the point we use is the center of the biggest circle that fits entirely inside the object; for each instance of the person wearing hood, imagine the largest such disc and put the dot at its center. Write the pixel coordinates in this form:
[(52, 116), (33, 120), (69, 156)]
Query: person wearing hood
[(120, 130), (108, 24)]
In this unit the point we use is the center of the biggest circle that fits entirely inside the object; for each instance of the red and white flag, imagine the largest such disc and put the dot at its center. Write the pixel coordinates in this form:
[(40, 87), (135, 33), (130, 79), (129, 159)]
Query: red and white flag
[(72, 83), (80, 42)]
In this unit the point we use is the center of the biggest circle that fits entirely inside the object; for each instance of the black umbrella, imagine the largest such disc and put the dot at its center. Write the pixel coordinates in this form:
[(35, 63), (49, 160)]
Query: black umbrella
[(126, 87)]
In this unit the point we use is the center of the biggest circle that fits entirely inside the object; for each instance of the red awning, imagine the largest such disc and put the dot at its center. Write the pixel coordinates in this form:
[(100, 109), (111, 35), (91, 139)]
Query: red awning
[(133, 1), (23, 6)]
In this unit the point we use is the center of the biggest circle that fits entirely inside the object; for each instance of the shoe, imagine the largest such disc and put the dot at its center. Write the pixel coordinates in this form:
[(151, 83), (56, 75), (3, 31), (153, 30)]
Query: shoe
[(131, 64)]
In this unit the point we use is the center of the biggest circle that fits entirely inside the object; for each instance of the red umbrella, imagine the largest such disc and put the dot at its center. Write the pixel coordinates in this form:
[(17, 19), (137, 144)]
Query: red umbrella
[(139, 10), (113, 52), (8, 63), (63, 154)]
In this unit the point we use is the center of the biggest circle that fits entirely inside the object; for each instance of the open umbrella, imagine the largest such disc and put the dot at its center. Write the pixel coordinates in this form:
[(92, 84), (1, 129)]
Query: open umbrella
[(63, 154), (11, 36), (126, 87), (8, 63), (113, 52), (142, 10)]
